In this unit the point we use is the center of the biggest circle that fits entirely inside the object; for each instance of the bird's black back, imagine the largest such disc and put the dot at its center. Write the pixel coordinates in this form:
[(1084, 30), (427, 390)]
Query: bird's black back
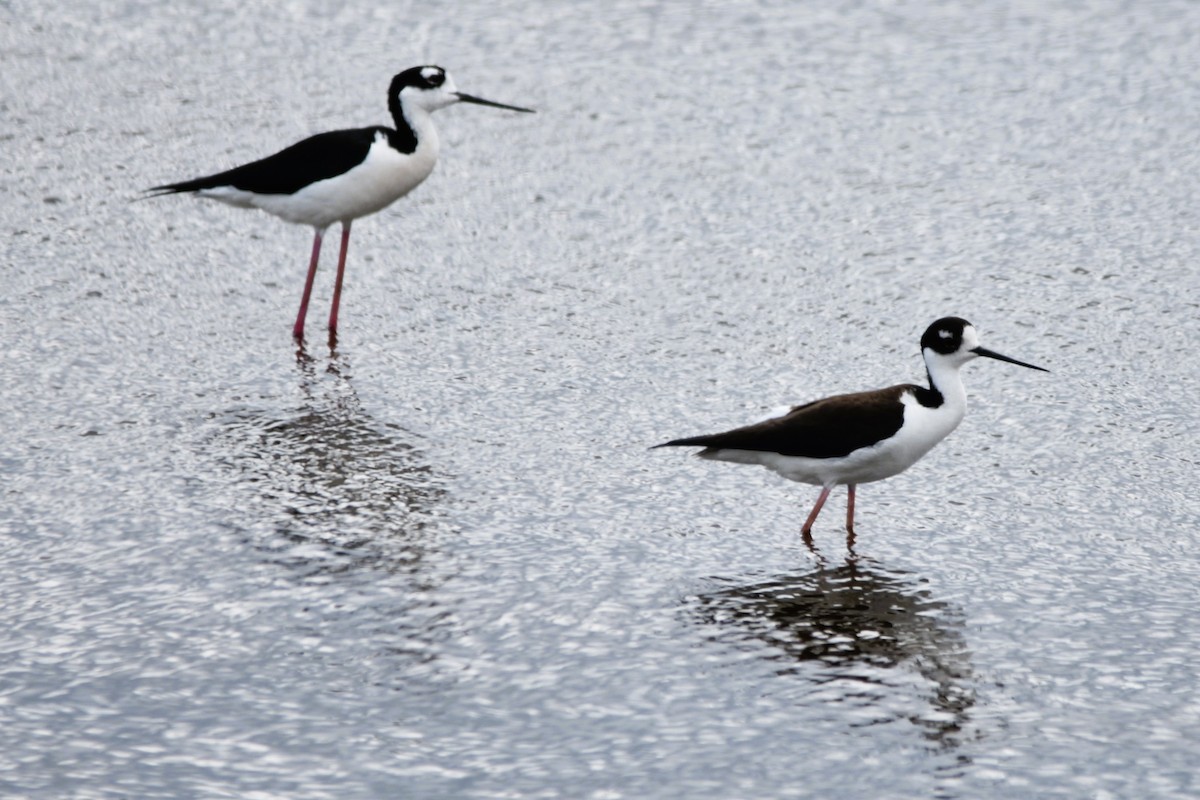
[(829, 428), (316, 158)]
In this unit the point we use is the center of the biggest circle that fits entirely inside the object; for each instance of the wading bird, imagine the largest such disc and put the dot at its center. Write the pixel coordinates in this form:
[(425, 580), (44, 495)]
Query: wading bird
[(339, 176), (850, 439)]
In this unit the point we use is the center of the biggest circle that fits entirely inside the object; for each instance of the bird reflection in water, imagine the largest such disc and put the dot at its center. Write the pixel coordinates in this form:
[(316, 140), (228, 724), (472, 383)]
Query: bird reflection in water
[(861, 633), (335, 490)]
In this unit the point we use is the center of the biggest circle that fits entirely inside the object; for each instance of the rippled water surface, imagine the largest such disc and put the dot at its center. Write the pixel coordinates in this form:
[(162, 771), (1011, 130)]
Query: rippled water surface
[(438, 560)]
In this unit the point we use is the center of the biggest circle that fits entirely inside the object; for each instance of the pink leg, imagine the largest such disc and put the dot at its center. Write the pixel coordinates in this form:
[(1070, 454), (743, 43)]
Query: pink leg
[(298, 330), (850, 509), (337, 286), (812, 517)]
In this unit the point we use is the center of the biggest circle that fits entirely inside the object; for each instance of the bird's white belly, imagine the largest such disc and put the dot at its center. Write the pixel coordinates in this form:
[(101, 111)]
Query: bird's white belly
[(382, 178), (923, 428)]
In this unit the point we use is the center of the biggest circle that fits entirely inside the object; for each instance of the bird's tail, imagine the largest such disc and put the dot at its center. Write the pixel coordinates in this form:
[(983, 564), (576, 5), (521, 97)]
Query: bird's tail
[(691, 441), (178, 188)]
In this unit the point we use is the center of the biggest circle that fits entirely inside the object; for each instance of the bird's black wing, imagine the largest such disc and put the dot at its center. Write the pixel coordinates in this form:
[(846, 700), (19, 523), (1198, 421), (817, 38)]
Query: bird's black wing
[(291, 169), (829, 428)]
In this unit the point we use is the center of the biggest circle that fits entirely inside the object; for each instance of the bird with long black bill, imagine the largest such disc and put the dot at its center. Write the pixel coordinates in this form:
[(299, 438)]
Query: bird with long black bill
[(850, 439), (339, 176)]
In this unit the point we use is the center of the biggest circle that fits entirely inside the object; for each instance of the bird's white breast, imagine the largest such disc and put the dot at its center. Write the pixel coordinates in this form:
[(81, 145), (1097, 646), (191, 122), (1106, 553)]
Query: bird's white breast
[(382, 178), (922, 429)]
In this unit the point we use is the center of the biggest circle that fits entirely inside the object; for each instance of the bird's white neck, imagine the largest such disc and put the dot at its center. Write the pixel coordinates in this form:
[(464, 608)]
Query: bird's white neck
[(421, 122), (415, 130), (944, 378)]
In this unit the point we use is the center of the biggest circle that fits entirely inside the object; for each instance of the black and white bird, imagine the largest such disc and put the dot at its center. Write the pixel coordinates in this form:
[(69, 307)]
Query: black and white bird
[(339, 176), (850, 439)]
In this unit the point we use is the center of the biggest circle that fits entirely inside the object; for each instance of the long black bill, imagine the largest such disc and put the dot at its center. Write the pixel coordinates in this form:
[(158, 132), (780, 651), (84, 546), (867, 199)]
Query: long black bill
[(467, 98), (983, 351)]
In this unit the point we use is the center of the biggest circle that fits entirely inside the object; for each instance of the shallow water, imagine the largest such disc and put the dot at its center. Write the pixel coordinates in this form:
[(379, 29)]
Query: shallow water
[(437, 560)]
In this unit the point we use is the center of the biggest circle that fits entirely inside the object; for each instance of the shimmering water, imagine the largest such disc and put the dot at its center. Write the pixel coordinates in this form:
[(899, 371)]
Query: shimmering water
[(438, 560)]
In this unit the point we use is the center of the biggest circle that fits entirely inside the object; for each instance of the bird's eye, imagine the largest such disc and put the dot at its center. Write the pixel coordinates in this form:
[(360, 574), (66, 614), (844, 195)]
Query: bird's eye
[(436, 78)]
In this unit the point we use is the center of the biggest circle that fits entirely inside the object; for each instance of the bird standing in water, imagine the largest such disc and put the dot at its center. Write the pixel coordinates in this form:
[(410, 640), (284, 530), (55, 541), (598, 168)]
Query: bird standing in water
[(850, 439), (339, 176)]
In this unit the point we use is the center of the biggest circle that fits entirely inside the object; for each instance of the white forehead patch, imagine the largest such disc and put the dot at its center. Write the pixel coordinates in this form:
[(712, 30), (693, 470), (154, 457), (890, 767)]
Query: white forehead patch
[(429, 72), (945, 334)]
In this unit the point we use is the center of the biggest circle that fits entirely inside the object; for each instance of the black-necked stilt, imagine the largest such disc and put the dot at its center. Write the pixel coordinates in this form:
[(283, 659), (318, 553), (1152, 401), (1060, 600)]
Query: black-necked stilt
[(340, 176), (867, 436)]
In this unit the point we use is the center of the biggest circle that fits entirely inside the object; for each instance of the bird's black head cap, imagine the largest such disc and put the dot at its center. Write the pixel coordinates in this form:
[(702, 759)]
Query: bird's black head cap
[(426, 77), (945, 336)]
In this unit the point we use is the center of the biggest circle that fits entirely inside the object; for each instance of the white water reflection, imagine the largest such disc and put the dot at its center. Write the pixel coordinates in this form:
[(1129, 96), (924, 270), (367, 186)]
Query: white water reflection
[(860, 633), (453, 567), (333, 489)]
